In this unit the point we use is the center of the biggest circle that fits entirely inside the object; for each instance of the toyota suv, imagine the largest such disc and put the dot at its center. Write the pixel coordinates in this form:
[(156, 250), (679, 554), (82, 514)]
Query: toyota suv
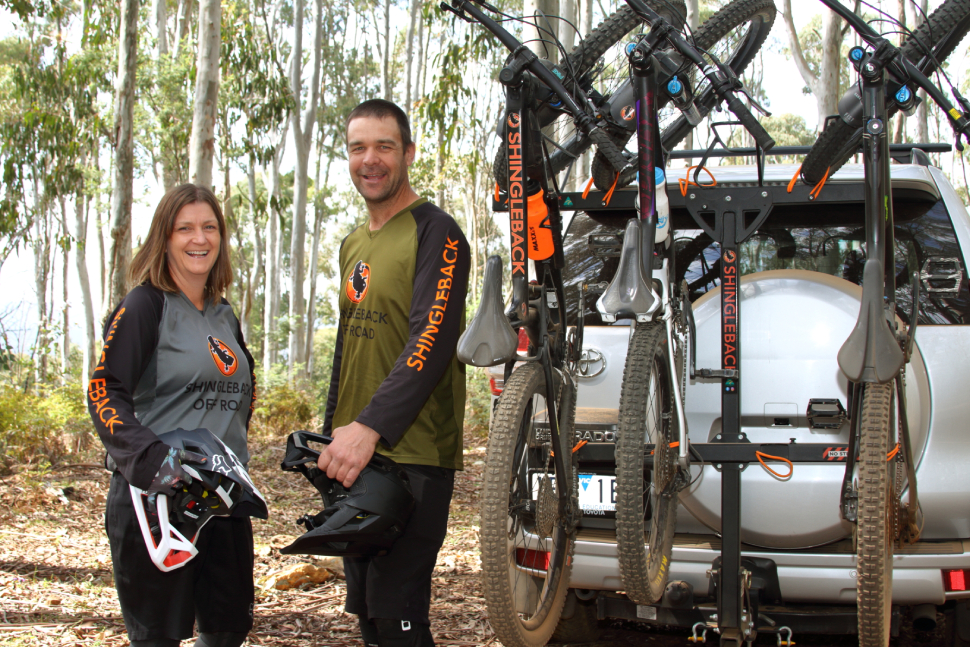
[(800, 293)]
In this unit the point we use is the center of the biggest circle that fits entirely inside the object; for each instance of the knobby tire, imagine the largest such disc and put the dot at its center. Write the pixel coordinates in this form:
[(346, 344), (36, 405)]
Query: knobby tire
[(874, 545), (760, 15), (838, 142), (646, 415), (524, 596)]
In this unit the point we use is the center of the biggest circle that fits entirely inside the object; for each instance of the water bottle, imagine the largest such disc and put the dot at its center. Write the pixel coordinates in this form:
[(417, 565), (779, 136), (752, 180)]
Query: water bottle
[(663, 206)]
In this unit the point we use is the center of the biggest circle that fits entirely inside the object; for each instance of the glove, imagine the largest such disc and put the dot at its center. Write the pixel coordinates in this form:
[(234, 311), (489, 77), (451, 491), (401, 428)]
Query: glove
[(170, 476)]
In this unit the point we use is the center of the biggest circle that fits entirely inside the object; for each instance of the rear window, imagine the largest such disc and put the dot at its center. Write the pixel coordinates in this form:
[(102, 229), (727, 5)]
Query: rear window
[(797, 237)]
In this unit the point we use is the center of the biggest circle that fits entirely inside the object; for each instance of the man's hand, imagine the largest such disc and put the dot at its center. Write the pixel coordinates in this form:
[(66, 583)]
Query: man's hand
[(350, 451)]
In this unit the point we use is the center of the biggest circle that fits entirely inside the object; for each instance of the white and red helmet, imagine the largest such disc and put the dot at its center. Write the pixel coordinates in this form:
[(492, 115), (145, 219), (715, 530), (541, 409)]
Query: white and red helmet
[(170, 524)]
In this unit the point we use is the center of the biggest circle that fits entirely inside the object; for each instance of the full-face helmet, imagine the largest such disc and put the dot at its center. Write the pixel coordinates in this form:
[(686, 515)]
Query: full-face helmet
[(364, 519), (170, 524)]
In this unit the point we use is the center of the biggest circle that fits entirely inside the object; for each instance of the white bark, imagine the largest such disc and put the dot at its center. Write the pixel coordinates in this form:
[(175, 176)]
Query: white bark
[(80, 260), (161, 28), (65, 312), (203, 138), (302, 139), (825, 86), (409, 64), (181, 25), (538, 25), (124, 152)]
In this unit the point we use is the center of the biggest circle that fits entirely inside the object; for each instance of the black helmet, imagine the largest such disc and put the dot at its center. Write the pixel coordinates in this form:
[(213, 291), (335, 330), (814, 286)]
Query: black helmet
[(170, 524), (362, 520)]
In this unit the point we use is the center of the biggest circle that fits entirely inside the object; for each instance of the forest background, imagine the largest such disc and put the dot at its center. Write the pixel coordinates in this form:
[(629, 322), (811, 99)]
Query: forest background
[(104, 106)]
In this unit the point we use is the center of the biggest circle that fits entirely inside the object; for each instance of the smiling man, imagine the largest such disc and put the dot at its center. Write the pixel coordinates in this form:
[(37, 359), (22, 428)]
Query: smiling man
[(397, 386)]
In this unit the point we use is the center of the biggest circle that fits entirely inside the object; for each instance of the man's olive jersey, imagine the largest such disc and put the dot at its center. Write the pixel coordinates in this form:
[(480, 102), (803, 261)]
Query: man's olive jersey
[(402, 308)]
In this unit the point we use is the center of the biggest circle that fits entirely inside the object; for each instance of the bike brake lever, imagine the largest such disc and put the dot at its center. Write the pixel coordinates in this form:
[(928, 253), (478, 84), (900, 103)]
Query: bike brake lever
[(444, 6), (754, 102)]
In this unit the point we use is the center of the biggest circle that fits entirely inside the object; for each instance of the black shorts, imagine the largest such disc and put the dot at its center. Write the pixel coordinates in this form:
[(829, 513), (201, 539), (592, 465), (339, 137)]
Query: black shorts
[(215, 588), (398, 585)]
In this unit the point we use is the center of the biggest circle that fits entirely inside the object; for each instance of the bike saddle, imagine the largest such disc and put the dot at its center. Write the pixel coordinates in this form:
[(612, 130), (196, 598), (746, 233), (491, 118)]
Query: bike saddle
[(489, 339), (629, 295), (871, 352)]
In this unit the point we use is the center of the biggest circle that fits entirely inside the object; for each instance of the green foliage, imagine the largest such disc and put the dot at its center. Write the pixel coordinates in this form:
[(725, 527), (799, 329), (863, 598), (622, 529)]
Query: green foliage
[(280, 410), (42, 428)]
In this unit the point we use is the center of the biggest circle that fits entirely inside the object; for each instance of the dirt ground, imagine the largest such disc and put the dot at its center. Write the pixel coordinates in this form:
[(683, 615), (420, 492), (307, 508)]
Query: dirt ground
[(56, 585)]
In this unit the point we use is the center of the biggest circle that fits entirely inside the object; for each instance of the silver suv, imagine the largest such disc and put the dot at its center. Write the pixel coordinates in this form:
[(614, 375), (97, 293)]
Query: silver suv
[(801, 276)]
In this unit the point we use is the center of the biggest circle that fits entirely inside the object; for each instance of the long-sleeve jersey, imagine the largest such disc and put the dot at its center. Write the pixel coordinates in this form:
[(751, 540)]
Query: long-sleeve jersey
[(164, 365), (402, 308)]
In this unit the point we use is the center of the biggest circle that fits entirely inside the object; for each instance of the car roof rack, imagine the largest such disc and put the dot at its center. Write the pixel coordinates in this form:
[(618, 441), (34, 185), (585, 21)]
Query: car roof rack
[(901, 153)]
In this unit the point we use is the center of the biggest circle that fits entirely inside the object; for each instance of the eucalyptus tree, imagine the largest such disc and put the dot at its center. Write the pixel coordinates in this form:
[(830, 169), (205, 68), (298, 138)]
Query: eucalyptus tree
[(202, 139), (302, 127)]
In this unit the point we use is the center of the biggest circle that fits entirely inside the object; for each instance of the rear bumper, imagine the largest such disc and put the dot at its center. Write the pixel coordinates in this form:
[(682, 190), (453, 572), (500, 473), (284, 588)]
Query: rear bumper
[(819, 575)]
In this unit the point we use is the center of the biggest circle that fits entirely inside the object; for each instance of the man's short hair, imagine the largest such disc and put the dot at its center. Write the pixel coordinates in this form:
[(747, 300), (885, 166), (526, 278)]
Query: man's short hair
[(382, 109)]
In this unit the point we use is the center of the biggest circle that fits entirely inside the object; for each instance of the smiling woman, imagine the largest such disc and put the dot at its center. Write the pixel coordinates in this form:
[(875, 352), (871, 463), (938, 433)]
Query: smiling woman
[(174, 358)]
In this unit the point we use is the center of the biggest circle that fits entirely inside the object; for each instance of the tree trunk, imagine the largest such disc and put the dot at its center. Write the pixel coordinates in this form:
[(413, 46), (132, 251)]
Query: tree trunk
[(535, 23), (412, 24), (124, 151), (922, 123), (65, 278), (182, 25), (161, 39), (80, 259), (419, 72), (42, 238), (827, 87), (272, 288), (203, 139), (319, 213), (388, 46), (693, 21), (302, 138)]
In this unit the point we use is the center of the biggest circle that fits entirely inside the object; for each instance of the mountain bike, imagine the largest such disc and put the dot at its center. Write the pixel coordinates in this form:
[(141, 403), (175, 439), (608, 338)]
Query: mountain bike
[(530, 505), (874, 356), (928, 46), (733, 35)]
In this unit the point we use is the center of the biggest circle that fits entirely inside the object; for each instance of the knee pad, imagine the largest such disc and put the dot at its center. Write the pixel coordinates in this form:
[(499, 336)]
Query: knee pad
[(156, 642), (402, 633), (221, 639)]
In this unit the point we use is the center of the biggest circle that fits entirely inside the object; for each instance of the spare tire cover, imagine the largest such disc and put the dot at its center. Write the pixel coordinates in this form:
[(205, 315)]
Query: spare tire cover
[(793, 323)]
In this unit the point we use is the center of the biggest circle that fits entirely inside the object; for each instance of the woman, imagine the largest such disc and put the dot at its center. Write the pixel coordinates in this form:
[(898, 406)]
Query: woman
[(174, 356)]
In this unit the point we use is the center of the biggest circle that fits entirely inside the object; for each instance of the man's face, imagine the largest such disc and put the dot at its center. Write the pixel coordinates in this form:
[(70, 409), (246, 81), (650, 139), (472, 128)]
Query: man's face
[(378, 160)]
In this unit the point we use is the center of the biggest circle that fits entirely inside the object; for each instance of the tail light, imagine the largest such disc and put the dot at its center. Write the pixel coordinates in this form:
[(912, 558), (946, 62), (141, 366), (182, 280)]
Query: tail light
[(534, 559), (496, 385), (956, 580), (523, 341)]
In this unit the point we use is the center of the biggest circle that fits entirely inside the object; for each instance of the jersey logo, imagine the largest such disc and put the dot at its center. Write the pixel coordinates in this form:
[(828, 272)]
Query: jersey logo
[(358, 282), (223, 356)]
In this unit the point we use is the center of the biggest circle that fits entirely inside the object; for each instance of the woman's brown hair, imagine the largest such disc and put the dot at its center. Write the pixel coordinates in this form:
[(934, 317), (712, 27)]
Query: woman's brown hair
[(150, 264)]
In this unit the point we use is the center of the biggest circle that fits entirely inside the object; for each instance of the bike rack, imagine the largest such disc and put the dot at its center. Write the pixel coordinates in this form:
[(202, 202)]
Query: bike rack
[(730, 215)]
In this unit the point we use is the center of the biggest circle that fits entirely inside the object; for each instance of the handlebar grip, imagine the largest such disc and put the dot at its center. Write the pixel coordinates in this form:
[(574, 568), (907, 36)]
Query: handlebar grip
[(609, 149), (750, 122)]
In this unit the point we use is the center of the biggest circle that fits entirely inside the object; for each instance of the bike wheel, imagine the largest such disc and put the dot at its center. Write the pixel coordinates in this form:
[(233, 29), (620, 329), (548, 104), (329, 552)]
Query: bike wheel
[(734, 35), (582, 62), (526, 546), (941, 32), (646, 416), (875, 538)]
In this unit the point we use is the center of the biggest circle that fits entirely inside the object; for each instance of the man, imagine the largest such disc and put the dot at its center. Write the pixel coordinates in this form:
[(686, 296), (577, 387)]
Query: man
[(397, 385)]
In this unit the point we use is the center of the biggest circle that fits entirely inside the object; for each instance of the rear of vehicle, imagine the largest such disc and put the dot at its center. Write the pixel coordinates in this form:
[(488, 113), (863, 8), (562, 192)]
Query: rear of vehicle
[(800, 294)]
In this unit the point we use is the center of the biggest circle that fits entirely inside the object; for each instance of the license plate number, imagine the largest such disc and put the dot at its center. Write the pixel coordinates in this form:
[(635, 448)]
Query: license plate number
[(597, 493)]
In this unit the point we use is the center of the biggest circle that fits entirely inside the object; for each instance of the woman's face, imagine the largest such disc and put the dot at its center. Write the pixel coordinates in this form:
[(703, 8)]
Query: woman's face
[(193, 246)]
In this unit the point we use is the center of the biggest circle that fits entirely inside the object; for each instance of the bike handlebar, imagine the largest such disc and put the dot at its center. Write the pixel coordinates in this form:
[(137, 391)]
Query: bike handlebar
[(958, 120), (523, 59), (749, 121)]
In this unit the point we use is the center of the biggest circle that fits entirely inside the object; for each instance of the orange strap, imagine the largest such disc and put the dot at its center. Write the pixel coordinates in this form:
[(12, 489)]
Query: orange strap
[(794, 178), (818, 187), (893, 453), (496, 192), (684, 182), (673, 445), (609, 194), (761, 456), (586, 190), (579, 445)]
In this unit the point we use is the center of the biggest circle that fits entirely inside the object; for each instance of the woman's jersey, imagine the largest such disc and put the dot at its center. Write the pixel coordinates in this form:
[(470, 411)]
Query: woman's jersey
[(166, 365), (402, 308)]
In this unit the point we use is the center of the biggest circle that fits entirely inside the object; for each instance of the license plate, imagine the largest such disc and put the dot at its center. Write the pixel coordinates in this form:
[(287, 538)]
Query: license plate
[(597, 493)]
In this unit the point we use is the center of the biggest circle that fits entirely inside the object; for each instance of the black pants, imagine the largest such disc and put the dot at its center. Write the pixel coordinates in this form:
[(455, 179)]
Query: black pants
[(398, 585), (214, 589)]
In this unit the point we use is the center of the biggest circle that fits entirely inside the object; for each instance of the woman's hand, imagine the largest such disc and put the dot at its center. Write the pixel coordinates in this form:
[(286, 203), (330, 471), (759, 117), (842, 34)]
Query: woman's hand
[(351, 449)]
